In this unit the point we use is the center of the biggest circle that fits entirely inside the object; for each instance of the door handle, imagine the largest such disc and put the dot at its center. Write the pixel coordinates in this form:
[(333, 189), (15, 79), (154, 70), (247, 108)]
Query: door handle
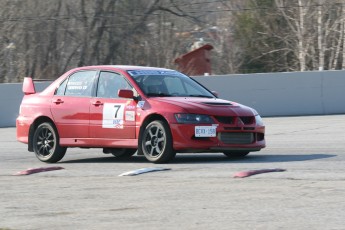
[(97, 103), (57, 101)]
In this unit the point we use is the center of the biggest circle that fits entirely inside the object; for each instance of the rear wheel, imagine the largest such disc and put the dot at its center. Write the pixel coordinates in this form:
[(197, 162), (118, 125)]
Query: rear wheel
[(46, 144), (156, 142), (235, 154)]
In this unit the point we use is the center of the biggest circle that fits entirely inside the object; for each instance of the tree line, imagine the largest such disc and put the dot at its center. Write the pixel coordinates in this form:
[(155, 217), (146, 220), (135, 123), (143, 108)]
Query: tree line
[(44, 38)]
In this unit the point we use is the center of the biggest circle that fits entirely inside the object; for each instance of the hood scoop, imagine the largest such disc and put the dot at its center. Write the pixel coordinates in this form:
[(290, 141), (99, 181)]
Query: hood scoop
[(216, 103)]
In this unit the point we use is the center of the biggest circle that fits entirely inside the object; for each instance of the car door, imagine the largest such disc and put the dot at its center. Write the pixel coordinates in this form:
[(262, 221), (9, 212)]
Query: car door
[(112, 117), (70, 106)]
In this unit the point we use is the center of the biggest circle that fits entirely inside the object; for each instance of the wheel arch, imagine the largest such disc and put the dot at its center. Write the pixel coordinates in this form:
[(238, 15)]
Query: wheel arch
[(148, 120), (33, 127)]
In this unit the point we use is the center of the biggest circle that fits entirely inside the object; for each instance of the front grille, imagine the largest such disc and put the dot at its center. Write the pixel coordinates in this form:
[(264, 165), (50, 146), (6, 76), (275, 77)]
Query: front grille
[(247, 120), (232, 128), (225, 120), (236, 138)]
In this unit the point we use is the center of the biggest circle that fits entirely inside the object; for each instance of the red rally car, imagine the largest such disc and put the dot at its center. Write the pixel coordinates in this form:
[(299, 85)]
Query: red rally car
[(155, 112)]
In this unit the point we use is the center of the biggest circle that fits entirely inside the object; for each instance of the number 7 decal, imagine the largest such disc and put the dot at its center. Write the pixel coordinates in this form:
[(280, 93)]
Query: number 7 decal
[(113, 115), (117, 107)]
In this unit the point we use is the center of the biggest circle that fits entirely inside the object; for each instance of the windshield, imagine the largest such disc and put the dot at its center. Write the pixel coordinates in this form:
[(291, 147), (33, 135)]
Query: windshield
[(157, 83)]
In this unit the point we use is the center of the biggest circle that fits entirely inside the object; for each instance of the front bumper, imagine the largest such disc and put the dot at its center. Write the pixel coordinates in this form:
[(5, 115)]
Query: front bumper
[(228, 138)]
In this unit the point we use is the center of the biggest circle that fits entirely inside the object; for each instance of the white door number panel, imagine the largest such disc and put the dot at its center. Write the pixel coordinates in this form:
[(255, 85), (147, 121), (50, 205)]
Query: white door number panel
[(113, 115)]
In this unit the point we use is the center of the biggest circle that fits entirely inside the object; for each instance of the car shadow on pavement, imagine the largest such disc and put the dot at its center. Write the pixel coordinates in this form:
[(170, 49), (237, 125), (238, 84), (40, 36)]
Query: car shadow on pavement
[(254, 158), (107, 159), (210, 158)]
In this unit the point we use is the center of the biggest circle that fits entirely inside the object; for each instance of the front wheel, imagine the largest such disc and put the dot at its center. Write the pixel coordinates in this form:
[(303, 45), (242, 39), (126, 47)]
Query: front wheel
[(156, 142), (46, 144), (235, 154)]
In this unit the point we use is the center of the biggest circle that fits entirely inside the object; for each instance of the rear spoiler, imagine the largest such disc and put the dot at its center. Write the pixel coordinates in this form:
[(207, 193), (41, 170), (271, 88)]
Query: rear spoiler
[(28, 86)]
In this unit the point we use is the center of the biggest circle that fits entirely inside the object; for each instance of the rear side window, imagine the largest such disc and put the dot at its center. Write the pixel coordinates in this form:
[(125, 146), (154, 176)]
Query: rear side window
[(78, 84), (61, 90)]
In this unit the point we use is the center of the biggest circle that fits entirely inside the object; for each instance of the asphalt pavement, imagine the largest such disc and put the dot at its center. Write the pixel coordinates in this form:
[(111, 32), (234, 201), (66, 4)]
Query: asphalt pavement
[(198, 192)]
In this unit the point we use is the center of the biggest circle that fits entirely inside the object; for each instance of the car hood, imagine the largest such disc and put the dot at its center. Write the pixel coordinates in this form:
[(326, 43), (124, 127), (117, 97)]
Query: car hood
[(213, 106)]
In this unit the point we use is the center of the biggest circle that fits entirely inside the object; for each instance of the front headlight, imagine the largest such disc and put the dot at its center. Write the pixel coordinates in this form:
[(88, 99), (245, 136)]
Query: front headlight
[(258, 120), (187, 118)]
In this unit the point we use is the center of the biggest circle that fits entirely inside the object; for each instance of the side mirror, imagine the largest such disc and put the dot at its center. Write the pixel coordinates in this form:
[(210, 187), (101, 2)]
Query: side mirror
[(126, 93)]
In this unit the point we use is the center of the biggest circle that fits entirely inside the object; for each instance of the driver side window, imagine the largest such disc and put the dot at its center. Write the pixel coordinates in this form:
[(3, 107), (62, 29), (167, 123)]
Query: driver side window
[(110, 83)]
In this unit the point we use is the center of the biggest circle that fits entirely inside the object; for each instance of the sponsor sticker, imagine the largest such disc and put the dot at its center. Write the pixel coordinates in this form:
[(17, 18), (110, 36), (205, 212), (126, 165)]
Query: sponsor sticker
[(130, 107), (153, 72), (141, 104), (130, 116)]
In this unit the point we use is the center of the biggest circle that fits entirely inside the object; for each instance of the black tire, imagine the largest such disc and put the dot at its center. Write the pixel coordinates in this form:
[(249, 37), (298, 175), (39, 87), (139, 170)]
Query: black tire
[(46, 144), (156, 143), (122, 153), (235, 154)]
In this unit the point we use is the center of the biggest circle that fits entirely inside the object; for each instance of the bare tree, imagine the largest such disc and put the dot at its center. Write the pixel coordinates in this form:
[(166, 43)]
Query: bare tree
[(44, 38)]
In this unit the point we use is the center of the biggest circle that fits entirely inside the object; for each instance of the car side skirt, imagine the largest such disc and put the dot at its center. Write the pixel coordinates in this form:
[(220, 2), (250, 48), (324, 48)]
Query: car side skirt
[(99, 143)]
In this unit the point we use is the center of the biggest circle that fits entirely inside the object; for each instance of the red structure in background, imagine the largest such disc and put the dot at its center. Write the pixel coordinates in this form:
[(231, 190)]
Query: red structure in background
[(196, 62)]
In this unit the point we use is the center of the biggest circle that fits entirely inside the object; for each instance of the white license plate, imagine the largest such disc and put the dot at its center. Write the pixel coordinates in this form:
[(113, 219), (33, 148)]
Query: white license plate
[(205, 131)]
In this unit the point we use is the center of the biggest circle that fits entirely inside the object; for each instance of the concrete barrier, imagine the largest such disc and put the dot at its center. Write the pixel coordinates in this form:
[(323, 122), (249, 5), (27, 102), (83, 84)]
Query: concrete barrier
[(284, 94), (11, 96), (271, 94)]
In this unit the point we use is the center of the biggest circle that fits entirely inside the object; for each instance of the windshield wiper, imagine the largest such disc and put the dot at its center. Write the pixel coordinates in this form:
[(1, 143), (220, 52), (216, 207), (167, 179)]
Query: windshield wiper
[(199, 95), (158, 95)]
